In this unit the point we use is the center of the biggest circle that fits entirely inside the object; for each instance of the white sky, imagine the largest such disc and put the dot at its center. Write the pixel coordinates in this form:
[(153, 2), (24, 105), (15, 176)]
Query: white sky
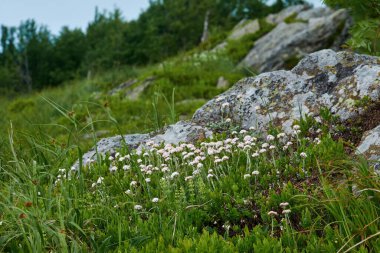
[(72, 13), (58, 13)]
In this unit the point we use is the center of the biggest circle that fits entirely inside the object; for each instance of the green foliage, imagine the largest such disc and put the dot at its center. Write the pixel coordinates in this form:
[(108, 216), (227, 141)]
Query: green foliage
[(291, 62), (47, 208), (237, 49), (293, 19), (32, 58), (366, 30)]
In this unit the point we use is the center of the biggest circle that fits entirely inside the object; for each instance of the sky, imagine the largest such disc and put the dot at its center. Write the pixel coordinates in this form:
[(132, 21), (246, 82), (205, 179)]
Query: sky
[(58, 13), (72, 13)]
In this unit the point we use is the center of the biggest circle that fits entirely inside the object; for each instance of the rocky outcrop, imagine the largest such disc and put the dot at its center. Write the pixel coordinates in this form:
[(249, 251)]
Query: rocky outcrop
[(322, 79), (280, 17), (122, 86), (243, 28), (134, 93), (370, 144), (307, 32), (130, 92), (110, 145), (174, 134)]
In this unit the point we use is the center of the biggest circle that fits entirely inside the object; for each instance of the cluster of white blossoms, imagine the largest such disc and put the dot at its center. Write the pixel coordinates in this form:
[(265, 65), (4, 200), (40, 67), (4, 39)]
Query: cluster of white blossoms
[(208, 161), (283, 206)]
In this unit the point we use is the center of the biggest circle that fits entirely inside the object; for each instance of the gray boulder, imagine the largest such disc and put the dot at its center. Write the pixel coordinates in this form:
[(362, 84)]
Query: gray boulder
[(110, 145), (135, 93), (370, 144), (180, 132), (322, 79), (122, 86), (243, 28), (309, 31), (278, 18)]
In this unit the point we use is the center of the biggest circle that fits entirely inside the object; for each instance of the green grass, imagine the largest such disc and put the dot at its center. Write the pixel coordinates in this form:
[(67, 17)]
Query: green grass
[(222, 205), (214, 196)]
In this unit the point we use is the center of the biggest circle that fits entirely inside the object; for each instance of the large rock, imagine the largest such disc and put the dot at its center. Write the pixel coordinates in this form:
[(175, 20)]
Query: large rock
[(122, 86), (243, 28), (280, 17), (370, 144), (310, 30), (321, 79), (180, 132), (135, 93), (110, 145)]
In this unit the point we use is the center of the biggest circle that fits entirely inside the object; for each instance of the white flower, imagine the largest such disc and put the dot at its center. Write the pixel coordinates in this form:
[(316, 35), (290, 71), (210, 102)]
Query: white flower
[(255, 154), (289, 143), (303, 155), (199, 165), (226, 104), (265, 145), (147, 180), (93, 185), (255, 172), (126, 167), (137, 207), (128, 192), (296, 127), (252, 128), (284, 204), (243, 131), (174, 174), (196, 172), (155, 200), (272, 147), (270, 137), (257, 107), (287, 211), (133, 183), (280, 135), (228, 120), (113, 169), (111, 158), (188, 178), (139, 160), (272, 213), (263, 150), (100, 180), (210, 175), (247, 176)]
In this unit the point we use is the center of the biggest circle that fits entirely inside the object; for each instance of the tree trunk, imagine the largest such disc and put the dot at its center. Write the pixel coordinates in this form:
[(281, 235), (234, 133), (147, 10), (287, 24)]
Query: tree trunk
[(205, 34)]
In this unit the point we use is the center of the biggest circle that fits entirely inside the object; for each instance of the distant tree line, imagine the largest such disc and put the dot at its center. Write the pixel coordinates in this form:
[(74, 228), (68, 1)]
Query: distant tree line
[(32, 58)]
